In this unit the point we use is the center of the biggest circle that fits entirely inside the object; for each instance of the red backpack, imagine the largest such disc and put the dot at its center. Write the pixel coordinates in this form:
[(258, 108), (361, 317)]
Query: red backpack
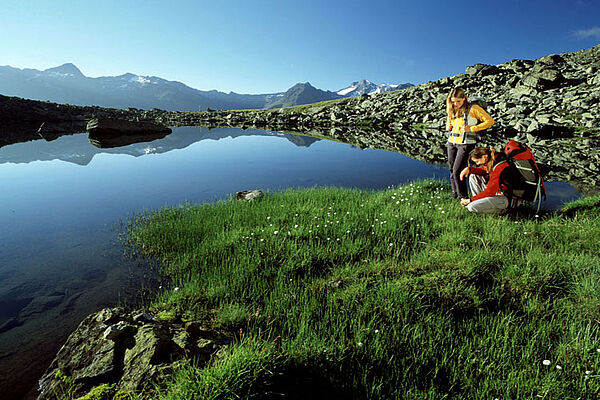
[(527, 183)]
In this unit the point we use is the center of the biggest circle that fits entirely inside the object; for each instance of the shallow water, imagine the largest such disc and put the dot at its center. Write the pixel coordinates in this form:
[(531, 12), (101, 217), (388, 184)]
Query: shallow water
[(62, 201)]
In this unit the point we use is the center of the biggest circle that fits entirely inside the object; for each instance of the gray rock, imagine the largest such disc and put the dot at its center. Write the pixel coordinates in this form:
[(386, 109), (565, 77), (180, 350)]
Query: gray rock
[(124, 127), (482, 70), (551, 59), (136, 356), (113, 332), (249, 195), (144, 317), (543, 79)]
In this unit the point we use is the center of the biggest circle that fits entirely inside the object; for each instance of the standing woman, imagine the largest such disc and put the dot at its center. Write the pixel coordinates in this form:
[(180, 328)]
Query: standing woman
[(462, 120)]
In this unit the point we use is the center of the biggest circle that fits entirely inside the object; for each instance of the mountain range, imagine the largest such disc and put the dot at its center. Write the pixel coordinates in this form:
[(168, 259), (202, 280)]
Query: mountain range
[(68, 85)]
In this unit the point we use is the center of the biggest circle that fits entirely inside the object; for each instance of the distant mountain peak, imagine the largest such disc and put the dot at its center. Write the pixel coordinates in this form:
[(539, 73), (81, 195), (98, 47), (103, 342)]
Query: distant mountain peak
[(66, 69), (302, 85), (365, 86)]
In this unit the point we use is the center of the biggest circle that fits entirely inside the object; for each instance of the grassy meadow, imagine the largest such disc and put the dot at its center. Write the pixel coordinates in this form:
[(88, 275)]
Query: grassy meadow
[(400, 293)]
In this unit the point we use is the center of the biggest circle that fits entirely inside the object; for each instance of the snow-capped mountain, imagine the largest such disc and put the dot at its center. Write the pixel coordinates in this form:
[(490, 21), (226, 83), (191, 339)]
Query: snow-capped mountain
[(67, 84), (368, 87)]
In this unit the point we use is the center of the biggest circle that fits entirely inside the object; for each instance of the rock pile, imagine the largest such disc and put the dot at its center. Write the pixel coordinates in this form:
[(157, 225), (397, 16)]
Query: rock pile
[(130, 350)]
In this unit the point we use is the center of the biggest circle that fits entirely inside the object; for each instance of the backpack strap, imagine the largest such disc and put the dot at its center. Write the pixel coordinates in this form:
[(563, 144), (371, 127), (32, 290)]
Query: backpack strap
[(509, 190), (466, 115), (469, 137)]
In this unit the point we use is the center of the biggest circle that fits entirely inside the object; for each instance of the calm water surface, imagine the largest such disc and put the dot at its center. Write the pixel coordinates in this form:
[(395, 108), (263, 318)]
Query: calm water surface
[(61, 201)]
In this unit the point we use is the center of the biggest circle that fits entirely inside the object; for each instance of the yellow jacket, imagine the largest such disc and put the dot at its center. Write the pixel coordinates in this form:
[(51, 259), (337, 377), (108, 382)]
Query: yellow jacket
[(476, 113)]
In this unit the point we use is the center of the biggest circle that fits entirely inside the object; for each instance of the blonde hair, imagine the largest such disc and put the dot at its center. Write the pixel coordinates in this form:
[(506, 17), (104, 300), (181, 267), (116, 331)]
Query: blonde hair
[(458, 93)]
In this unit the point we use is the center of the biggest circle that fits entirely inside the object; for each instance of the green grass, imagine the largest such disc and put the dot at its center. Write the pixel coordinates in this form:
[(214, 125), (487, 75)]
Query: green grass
[(335, 293)]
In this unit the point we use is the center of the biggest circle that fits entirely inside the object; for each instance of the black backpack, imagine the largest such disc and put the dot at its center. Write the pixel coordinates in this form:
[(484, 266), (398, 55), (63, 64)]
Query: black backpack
[(526, 180)]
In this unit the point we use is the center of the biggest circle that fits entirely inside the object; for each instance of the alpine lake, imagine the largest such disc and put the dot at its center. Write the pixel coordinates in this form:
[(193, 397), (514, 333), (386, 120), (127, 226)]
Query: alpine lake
[(64, 204)]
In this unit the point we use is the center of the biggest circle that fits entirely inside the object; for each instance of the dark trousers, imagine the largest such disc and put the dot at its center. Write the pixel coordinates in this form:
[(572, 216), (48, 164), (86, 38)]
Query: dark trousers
[(458, 157)]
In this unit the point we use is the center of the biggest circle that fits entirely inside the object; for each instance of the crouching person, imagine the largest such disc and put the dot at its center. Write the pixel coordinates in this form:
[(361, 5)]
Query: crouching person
[(489, 182)]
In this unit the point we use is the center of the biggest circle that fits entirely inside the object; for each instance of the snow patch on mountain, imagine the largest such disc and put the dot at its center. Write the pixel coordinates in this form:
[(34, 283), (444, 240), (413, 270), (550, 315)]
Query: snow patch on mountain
[(367, 87), (140, 79)]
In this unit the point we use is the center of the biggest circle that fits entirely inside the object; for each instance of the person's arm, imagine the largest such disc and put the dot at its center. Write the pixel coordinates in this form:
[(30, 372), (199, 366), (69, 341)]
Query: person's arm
[(464, 173), (493, 185), (477, 170), (448, 123), (481, 115)]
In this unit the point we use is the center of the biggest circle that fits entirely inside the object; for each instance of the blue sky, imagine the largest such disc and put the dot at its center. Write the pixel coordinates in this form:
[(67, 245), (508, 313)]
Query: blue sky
[(267, 46)]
